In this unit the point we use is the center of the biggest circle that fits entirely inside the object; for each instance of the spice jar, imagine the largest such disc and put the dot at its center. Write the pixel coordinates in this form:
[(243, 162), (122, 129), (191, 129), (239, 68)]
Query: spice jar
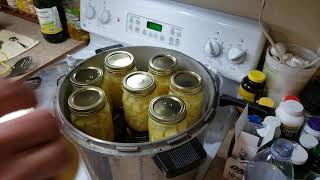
[(166, 117), (89, 76), (90, 112), (162, 67), (252, 86), (188, 86), (117, 65), (138, 88)]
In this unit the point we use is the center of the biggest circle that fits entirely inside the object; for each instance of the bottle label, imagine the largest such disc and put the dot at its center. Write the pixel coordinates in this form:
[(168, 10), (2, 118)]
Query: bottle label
[(49, 20), (289, 132), (74, 21)]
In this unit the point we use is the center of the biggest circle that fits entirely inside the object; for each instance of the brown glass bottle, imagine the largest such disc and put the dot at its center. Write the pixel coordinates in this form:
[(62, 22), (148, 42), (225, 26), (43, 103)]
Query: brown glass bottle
[(52, 20)]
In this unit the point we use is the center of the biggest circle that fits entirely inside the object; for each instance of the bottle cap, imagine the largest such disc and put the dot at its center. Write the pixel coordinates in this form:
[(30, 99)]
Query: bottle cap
[(282, 149), (257, 76), (299, 155), (264, 101), (292, 107), (254, 119), (295, 98), (308, 141), (314, 123)]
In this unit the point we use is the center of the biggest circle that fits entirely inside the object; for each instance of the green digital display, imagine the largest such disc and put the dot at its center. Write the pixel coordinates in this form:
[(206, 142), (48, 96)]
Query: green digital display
[(154, 26)]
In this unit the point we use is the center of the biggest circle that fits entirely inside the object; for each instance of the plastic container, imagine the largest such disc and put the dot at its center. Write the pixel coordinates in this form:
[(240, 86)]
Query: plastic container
[(117, 64), (308, 141), (292, 118), (312, 127), (310, 98), (283, 80), (188, 86), (166, 117), (272, 163), (138, 91), (299, 159), (162, 67)]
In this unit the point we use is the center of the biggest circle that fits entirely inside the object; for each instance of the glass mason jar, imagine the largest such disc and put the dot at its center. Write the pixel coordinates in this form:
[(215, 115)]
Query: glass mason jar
[(117, 65), (89, 76), (166, 117), (90, 112), (162, 67), (188, 86), (138, 88)]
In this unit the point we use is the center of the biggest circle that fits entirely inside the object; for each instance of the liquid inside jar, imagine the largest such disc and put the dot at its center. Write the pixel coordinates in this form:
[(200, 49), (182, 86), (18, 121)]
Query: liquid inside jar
[(163, 84), (98, 125)]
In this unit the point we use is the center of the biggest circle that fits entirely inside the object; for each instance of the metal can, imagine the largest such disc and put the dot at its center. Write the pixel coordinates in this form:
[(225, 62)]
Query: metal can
[(162, 67), (138, 92), (166, 117), (117, 65), (89, 76), (188, 86), (90, 112)]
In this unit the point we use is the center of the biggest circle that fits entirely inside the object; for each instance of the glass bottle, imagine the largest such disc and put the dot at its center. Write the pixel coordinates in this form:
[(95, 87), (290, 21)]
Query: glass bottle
[(52, 20), (252, 86), (117, 65), (272, 163), (138, 92), (90, 112), (188, 86), (166, 117), (162, 67)]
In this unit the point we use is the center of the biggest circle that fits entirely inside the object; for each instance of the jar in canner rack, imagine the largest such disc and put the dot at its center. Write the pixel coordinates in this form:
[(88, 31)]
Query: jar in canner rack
[(89, 76), (188, 86), (162, 67), (166, 117), (90, 112), (117, 65), (138, 91)]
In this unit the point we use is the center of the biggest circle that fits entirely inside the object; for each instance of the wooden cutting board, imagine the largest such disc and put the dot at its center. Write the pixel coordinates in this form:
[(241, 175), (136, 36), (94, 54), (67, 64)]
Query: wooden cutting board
[(44, 53)]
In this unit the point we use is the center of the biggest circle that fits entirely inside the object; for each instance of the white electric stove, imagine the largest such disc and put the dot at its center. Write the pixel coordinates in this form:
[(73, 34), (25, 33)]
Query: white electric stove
[(228, 44)]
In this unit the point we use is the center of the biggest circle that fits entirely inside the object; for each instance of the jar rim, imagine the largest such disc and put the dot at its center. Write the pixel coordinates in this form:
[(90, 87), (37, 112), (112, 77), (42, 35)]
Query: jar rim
[(169, 67), (119, 64), (139, 83), (187, 86), (96, 81)]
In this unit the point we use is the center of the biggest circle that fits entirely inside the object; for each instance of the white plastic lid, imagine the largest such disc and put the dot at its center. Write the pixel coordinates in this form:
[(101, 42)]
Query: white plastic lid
[(292, 107), (299, 155), (308, 141)]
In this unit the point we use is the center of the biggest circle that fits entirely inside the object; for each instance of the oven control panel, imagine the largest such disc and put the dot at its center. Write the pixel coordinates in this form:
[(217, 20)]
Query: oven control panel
[(230, 44)]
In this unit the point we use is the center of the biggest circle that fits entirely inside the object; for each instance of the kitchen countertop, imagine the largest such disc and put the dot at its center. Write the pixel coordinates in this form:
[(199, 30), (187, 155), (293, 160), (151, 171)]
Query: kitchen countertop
[(44, 53)]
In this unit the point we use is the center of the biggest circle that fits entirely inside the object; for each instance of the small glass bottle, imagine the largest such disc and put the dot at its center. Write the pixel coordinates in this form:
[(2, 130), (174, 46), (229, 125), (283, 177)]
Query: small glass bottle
[(166, 117), (188, 86), (90, 112), (138, 92), (162, 67), (117, 65), (252, 86), (89, 76)]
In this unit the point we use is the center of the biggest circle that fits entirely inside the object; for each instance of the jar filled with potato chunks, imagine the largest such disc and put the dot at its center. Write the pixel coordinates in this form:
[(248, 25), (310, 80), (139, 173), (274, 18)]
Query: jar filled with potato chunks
[(90, 112), (162, 67), (138, 91), (89, 76), (117, 65), (166, 117), (188, 86)]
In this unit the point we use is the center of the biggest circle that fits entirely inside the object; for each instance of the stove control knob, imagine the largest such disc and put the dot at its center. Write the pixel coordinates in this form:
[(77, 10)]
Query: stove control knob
[(90, 12), (213, 49), (105, 16), (236, 55)]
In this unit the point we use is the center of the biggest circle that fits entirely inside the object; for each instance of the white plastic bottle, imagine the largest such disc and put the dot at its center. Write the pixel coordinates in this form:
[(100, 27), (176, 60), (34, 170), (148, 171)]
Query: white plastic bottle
[(291, 115)]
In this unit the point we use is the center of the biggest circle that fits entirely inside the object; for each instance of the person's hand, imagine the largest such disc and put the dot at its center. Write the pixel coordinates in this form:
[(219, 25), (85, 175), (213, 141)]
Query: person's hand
[(31, 147)]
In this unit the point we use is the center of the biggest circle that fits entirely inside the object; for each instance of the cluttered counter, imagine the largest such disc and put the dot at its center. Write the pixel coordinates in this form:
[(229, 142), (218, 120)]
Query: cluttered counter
[(42, 52)]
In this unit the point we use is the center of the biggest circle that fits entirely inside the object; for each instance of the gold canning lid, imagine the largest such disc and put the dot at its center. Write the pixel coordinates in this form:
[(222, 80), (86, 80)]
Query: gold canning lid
[(163, 64), (139, 83), (87, 76), (186, 82), (167, 109), (119, 62), (86, 101)]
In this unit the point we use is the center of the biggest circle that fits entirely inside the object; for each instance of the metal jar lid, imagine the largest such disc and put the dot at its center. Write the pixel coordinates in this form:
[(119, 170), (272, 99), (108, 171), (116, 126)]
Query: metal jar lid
[(167, 109), (163, 64), (139, 83), (119, 62), (186, 82), (87, 76), (86, 101)]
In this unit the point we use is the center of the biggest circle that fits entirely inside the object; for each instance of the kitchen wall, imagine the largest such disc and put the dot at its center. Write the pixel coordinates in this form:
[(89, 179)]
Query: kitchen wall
[(295, 21)]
